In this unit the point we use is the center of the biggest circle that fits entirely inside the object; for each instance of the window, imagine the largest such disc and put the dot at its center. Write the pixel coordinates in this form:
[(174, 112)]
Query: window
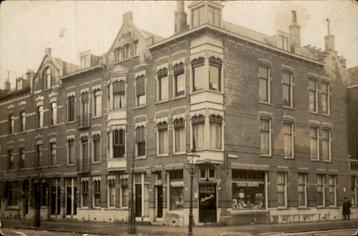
[(264, 84), (22, 157), (11, 159), (125, 52), (199, 74), (117, 54), (96, 148), (281, 189), (198, 132), (37, 84), (287, 89), (176, 190), (283, 42), (11, 124), (40, 116), (124, 191), (19, 83), (326, 144), (84, 149), (119, 92), (71, 108), (179, 135), (84, 109), (22, 121), (320, 190), (207, 173), (288, 140), (302, 190), (214, 16), (134, 48), (179, 80), (52, 153), (13, 193), (354, 188), (96, 192), (163, 85), (70, 151), (38, 157), (162, 138), (313, 95), (198, 16), (47, 78), (118, 143), (215, 131), (53, 113), (140, 90), (97, 103), (84, 191), (314, 143), (140, 140), (248, 190), (215, 65), (325, 98), (44, 194), (332, 190), (112, 192), (265, 137)]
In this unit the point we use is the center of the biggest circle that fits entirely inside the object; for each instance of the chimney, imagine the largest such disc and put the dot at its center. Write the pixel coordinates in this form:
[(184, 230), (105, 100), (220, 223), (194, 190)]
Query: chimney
[(29, 77), (295, 32), (329, 38), (127, 17), (180, 17), (48, 51), (7, 83)]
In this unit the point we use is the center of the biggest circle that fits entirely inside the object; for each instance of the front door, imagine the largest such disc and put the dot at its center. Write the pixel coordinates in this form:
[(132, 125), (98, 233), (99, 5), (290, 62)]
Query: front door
[(138, 200), (207, 203), (159, 201)]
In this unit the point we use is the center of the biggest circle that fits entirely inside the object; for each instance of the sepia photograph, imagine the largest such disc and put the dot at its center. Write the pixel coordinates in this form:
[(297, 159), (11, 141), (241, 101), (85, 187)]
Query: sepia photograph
[(197, 118)]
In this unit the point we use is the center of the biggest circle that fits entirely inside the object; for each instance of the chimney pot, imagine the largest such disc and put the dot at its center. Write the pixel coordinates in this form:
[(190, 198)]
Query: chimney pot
[(48, 51), (128, 17), (294, 17), (180, 17)]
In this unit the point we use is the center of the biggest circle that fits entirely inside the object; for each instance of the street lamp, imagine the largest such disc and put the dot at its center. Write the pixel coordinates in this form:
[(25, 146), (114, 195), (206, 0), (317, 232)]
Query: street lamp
[(192, 158), (131, 220)]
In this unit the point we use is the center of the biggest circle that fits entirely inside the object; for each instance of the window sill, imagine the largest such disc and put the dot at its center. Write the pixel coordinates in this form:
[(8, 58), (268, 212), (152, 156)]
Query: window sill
[(178, 153), (326, 114), (179, 97), (265, 103), (12, 208), (265, 156), (303, 208), (163, 155), (313, 112), (289, 158), (288, 107), (140, 106), (282, 208), (321, 207), (96, 162), (161, 102), (95, 117), (140, 157)]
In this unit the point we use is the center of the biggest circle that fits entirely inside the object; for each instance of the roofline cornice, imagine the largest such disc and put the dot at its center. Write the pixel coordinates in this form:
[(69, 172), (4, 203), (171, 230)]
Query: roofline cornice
[(82, 71), (223, 31)]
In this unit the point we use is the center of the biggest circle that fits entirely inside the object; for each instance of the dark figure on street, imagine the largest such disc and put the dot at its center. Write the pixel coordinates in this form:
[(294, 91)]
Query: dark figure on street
[(346, 209)]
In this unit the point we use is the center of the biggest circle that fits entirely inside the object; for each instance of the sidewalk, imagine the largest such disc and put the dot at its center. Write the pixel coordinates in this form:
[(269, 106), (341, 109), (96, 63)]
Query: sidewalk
[(121, 228)]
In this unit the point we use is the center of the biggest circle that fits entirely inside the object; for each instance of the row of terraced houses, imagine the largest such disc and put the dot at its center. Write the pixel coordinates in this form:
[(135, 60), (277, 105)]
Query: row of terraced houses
[(266, 115)]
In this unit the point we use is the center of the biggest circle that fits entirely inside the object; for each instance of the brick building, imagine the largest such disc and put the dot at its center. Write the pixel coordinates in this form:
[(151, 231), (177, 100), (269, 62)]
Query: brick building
[(266, 115)]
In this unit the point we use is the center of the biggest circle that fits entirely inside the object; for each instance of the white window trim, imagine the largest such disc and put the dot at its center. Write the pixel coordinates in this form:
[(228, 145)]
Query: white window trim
[(290, 73), (145, 88), (111, 178), (174, 140), (139, 124), (291, 123), (100, 149), (68, 150), (270, 135), (268, 84), (97, 90)]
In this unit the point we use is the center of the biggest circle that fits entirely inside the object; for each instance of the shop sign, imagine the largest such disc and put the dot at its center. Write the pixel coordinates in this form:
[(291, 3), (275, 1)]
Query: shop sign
[(248, 183)]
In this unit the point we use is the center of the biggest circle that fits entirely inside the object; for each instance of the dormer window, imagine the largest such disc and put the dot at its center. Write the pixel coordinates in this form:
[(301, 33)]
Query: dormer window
[(205, 13), (198, 17), (283, 42), (85, 61), (47, 78), (213, 16), (19, 84)]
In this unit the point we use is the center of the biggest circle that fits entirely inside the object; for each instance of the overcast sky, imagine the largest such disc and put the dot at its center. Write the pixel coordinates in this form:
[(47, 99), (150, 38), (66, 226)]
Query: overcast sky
[(69, 27)]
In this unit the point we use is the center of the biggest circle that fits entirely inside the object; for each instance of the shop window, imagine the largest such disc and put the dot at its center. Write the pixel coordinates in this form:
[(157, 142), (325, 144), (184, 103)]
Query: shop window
[(215, 65), (12, 193), (162, 138), (44, 194), (199, 74), (198, 132), (84, 192), (215, 132), (320, 190), (176, 190), (179, 80), (119, 92), (179, 135), (163, 85), (248, 190)]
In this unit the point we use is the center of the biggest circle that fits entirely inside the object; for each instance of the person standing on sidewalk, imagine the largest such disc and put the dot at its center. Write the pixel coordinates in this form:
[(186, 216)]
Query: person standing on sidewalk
[(346, 209)]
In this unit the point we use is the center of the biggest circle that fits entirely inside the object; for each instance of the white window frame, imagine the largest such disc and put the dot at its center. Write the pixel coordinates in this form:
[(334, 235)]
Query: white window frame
[(158, 140), (305, 177), (269, 119), (285, 189), (269, 78), (291, 84), (174, 139), (100, 148), (97, 92), (329, 130), (292, 127)]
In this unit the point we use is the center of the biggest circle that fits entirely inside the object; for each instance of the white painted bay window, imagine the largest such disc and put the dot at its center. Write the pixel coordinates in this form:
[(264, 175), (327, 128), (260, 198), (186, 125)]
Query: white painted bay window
[(215, 131), (199, 74), (119, 89), (179, 80), (215, 65), (198, 126)]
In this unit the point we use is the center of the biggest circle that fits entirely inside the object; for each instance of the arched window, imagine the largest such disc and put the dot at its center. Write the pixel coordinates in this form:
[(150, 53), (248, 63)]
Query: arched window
[(215, 131), (47, 78), (198, 123), (162, 138)]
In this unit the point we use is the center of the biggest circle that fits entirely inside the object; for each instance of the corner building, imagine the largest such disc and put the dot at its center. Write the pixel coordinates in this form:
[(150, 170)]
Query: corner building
[(266, 115)]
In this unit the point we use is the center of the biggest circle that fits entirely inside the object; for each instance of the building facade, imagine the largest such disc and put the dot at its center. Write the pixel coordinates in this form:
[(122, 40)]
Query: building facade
[(266, 115)]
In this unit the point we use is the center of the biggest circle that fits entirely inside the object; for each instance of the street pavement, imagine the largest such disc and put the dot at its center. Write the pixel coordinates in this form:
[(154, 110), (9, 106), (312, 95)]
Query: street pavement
[(66, 228)]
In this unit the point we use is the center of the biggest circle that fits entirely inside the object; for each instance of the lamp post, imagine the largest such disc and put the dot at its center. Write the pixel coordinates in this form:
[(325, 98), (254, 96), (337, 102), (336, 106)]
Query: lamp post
[(131, 220), (192, 158)]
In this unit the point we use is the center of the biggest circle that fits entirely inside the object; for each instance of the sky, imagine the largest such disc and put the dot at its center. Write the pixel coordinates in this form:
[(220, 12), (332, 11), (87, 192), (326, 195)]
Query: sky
[(70, 27)]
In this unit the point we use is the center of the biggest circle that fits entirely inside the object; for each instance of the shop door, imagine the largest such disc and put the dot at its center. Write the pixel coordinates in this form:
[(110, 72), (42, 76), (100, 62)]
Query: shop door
[(26, 197), (138, 200), (207, 203), (159, 201), (55, 201), (69, 201)]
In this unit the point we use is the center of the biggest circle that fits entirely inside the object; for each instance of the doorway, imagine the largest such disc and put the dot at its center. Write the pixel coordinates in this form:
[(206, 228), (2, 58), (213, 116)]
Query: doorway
[(138, 200), (159, 198), (207, 203)]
